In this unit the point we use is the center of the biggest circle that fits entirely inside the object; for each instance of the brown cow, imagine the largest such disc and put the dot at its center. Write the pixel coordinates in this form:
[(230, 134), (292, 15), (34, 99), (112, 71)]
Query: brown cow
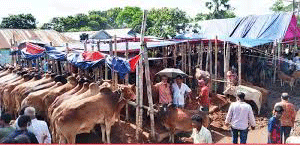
[(93, 90), (35, 99), (286, 79), (179, 119), (50, 97), (82, 116), (296, 75)]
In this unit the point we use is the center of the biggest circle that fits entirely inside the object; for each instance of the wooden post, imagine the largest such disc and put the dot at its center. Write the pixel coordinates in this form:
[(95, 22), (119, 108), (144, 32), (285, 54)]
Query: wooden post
[(240, 63), (106, 68), (189, 58), (137, 117), (111, 55), (207, 55), (98, 45), (225, 62), (216, 63), (181, 48), (275, 58), (85, 47), (126, 81), (185, 58), (210, 61), (115, 55), (164, 56), (174, 54)]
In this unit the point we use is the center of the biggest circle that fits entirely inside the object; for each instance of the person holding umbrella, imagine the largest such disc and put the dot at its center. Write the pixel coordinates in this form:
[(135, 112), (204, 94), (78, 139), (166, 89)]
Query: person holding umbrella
[(179, 91), (164, 91)]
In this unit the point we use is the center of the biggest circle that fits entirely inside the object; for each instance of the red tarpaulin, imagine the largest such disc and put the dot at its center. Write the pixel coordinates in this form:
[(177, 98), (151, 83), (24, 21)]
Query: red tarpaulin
[(34, 49), (133, 61), (92, 56)]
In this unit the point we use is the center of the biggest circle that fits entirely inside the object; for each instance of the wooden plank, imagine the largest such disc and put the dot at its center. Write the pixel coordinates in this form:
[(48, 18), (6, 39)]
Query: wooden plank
[(240, 63)]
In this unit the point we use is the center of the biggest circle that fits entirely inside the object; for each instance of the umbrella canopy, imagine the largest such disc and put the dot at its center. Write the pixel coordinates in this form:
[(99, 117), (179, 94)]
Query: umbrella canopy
[(171, 72)]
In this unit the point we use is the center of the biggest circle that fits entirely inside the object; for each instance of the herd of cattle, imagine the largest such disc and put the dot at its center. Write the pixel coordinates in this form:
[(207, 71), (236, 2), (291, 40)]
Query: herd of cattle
[(72, 105)]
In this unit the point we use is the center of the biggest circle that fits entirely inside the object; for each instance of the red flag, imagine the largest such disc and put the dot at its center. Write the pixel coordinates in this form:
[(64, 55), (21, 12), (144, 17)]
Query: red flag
[(34, 49), (92, 56), (133, 62)]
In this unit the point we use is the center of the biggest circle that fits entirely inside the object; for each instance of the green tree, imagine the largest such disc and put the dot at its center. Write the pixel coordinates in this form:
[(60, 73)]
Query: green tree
[(219, 9), (129, 17), (112, 15), (165, 22), (279, 6), (20, 21)]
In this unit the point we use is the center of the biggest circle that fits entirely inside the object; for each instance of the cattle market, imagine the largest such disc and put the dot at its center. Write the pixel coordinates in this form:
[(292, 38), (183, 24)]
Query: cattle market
[(109, 91)]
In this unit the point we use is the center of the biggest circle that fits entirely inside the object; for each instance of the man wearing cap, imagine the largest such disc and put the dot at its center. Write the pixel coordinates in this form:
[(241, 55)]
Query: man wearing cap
[(179, 90), (203, 95), (288, 115), (240, 116), (163, 87), (38, 128)]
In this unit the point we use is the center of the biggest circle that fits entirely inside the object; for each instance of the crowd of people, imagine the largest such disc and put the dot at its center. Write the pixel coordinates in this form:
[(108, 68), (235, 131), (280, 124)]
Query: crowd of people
[(27, 129)]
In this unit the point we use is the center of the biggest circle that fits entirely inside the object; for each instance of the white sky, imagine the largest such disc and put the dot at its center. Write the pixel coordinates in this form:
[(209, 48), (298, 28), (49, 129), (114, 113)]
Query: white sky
[(44, 10)]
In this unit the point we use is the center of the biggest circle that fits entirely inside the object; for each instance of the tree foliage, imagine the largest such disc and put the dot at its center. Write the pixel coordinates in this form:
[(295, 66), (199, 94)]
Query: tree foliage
[(219, 9), (279, 6), (20, 21)]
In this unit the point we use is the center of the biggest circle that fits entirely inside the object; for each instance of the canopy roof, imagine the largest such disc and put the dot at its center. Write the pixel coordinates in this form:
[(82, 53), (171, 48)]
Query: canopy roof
[(250, 31)]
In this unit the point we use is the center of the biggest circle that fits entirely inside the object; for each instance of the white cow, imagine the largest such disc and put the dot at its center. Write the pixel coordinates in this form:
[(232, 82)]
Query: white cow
[(252, 95)]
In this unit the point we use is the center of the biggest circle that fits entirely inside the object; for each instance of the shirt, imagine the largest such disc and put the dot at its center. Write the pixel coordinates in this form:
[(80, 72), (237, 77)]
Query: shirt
[(40, 130), (178, 94), (164, 90), (289, 113), (203, 136), (274, 128), (19, 132), (240, 115), (297, 61), (204, 96), (6, 131)]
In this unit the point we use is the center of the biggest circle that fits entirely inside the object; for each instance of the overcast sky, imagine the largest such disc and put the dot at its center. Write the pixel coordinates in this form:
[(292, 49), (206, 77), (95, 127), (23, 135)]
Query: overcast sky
[(44, 10)]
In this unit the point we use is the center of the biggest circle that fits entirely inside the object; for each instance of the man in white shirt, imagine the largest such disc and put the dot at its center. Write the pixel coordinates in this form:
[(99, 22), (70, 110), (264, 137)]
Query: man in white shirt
[(200, 134), (38, 128), (240, 116), (179, 90), (297, 61)]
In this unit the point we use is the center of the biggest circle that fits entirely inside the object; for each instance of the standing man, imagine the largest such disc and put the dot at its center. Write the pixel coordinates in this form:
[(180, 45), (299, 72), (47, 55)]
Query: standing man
[(288, 116), (164, 90), (240, 116), (38, 127), (179, 91), (200, 133), (203, 95)]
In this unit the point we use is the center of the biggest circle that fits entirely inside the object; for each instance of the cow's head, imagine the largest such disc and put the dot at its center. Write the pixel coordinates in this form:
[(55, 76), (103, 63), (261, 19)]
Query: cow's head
[(72, 80), (230, 90), (128, 92)]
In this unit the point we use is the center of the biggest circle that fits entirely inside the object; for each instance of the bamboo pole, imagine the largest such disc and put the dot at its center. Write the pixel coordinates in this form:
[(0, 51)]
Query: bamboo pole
[(240, 63), (189, 58), (164, 56), (210, 61), (207, 56), (106, 68), (115, 55), (216, 63), (224, 61), (126, 82), (137, 108), (182, 57), (174, 54)]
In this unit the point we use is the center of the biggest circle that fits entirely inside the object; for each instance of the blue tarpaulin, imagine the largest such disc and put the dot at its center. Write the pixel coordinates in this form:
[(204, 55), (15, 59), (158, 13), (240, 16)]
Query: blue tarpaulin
[(250, 31)]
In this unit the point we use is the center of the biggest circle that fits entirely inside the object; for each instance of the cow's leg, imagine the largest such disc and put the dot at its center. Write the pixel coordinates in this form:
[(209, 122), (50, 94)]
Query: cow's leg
[(103, 133), (71, 138), (108, 130)]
